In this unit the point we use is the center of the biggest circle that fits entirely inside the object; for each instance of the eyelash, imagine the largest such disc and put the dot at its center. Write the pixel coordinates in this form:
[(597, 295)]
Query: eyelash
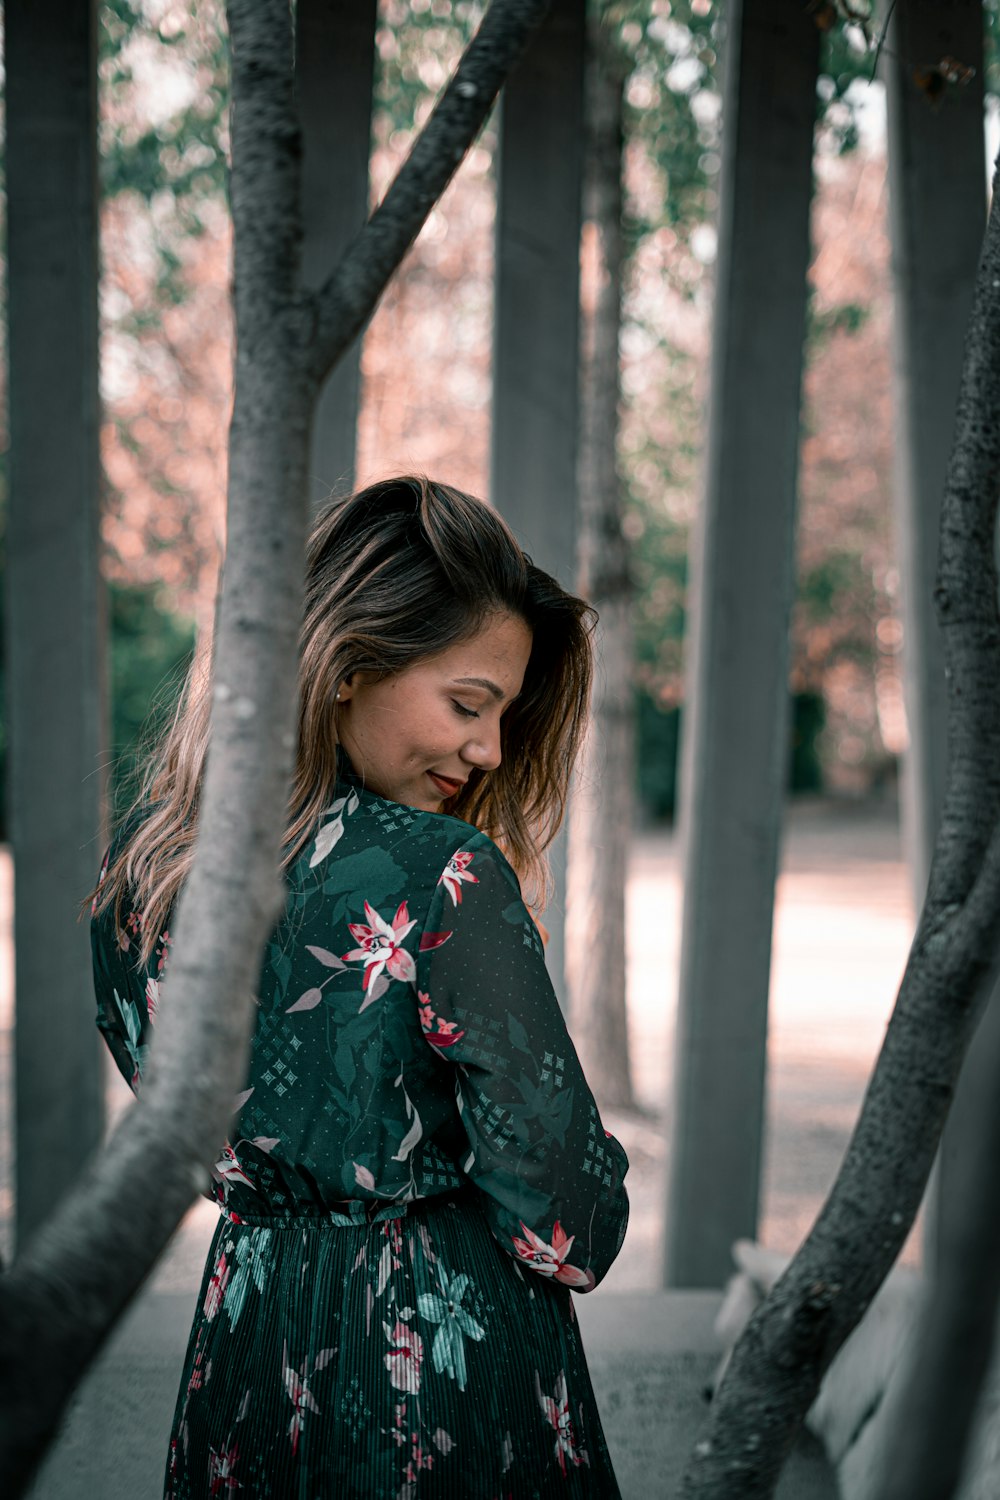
[(467, 713)]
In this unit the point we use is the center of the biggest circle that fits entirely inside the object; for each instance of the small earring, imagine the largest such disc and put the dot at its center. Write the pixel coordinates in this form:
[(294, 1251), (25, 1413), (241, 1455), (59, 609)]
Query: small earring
[(337, 698)]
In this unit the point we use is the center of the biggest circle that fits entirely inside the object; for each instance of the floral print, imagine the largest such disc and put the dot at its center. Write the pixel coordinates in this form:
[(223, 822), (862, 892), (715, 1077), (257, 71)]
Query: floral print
[(555, 1410), (405, 1357), (438, 1032), (412, 1189), (301, 1397), (456, 873), (550, 1260), (448, 1352), (380, 946)]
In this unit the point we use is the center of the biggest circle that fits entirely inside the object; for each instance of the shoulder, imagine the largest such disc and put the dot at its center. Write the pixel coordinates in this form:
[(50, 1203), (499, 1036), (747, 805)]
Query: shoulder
[(367, 847)]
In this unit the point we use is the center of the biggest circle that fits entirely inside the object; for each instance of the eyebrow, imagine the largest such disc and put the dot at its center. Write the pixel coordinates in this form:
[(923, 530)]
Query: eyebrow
[(483, 682)]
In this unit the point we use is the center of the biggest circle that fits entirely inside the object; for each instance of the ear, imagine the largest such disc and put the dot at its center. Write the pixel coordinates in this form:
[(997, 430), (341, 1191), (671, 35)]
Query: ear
[(346, 689)]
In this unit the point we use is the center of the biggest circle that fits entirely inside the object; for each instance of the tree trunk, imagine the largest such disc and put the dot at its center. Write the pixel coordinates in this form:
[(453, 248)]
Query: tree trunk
[(601, 807), (788, 1345), (955, 1336), (62, 1297)]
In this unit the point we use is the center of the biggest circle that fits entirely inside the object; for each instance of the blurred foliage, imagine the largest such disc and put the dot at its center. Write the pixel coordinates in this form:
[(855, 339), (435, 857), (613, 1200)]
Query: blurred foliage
[(163, 67), (167, 148), (414, 42)]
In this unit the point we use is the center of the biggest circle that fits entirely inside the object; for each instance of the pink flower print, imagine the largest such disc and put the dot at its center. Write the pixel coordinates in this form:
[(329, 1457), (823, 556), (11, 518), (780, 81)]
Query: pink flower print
[(163, 941), (301, 1397), (216, 1287), (221, 1470), (229, 1169), (198, 1376), (555, 1409), (439, 1033), (456, 873), (398, 1435), (379, 946), (405, 1357), (152, 998), (550, 1260)]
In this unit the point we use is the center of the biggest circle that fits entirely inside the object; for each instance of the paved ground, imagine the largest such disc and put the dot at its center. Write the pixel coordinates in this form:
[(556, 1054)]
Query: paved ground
[(842, 929)]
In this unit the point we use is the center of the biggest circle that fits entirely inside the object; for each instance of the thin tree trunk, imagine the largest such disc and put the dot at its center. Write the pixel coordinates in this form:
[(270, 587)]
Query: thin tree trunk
[(600, 821), (62, 1297), (950, 1355), (788, 1345)]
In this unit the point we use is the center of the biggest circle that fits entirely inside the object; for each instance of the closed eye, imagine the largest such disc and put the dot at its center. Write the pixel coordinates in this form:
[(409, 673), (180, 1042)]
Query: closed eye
[(467, 713)]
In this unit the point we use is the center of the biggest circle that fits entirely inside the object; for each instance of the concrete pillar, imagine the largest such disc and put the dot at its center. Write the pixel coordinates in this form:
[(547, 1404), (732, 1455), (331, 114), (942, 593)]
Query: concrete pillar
[(334, 64), (734, 750), (937, 205), (55, 701), (536, 337)]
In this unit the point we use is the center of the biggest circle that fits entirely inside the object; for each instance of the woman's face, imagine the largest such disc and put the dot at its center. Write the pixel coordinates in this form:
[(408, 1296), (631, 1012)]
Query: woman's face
[(415, 737)]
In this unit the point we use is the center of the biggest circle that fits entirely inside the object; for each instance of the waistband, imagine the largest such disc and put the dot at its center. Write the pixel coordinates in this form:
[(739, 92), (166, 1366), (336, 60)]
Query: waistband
[(353, 1213)]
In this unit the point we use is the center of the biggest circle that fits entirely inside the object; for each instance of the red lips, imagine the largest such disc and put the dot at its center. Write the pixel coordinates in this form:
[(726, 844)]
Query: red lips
[(445, 784)]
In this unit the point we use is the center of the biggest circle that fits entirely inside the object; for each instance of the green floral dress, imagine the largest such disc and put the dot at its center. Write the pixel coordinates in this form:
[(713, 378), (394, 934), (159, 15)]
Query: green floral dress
[(416, 1177)]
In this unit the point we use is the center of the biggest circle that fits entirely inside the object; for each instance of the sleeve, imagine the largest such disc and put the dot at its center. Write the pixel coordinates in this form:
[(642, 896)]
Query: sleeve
[(124, 993), (551, 1175)]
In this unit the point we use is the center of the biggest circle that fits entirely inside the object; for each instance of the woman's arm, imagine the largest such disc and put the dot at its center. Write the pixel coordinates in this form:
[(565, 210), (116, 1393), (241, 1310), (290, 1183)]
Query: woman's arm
[(551, 1174)]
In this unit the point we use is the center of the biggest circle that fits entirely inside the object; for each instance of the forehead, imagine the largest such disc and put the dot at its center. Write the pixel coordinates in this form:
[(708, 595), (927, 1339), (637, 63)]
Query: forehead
[(497, 654)]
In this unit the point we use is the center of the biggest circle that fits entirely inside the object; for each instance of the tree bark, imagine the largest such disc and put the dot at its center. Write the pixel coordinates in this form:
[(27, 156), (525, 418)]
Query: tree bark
[(778, 1364), (949, 1358), (601, 808), (62, 1297)]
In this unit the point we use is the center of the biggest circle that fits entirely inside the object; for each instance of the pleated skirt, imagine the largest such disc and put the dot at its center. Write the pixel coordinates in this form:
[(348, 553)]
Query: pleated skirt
[(400, 1358)]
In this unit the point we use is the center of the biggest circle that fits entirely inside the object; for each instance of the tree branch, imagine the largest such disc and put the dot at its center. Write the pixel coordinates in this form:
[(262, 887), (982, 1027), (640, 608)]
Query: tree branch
[(62, 1296), (778, 1364), (345, 302)]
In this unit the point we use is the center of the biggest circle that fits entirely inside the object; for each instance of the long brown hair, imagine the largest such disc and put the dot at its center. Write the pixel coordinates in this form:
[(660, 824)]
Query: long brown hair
[(396, 573)]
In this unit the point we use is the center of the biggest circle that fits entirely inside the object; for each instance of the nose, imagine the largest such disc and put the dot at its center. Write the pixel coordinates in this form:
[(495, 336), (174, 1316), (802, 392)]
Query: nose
[(483, 749)]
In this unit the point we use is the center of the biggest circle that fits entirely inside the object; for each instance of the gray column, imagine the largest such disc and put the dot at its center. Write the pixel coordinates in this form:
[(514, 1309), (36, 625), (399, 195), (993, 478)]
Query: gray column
[(937, 181), (54, 601), (334, 64), (734, 752), (937, 207), (536, 330)]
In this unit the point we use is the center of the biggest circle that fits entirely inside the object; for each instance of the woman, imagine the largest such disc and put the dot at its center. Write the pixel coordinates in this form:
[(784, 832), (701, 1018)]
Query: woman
[(418, 1174)]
